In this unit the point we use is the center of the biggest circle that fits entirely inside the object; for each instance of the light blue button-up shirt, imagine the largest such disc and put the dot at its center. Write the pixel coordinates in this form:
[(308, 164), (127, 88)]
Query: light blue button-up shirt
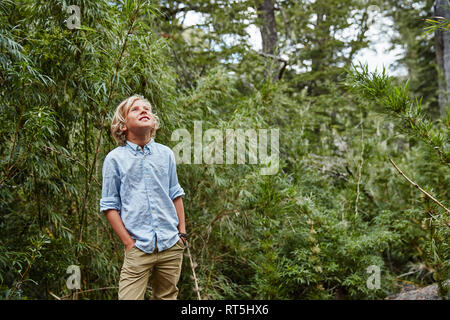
[(142, 187)]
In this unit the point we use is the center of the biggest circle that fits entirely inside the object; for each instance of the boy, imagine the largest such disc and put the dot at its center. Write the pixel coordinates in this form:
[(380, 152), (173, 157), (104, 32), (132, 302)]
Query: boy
[(141, 198)]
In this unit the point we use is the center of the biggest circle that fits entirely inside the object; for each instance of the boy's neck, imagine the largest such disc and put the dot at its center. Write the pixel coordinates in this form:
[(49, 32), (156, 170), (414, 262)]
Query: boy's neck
[(139, 140)]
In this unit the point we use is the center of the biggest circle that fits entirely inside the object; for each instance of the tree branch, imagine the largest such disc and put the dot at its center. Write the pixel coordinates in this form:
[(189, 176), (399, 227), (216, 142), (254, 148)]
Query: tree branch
[(418, 187)]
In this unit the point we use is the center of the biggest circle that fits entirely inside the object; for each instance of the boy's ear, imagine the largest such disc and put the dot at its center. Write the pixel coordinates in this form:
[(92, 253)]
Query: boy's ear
[(123, 127)]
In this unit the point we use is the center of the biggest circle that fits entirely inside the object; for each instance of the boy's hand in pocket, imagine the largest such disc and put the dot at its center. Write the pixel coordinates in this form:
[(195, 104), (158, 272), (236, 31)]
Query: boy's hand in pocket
[(129, 246)]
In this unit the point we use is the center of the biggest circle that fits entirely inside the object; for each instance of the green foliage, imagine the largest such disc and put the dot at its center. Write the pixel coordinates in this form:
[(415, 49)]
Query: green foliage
[(335, 207)]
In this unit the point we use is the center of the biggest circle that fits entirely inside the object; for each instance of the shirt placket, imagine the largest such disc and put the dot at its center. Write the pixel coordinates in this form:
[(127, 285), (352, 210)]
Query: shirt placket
[(147, 179)]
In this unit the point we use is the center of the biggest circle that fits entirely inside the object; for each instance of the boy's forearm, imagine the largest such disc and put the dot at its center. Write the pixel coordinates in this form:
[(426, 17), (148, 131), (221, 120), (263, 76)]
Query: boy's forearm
[(116, 223), (178, 202)]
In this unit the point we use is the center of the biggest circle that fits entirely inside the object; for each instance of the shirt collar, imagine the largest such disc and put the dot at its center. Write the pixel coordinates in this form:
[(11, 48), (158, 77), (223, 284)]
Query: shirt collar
[(136, 148)]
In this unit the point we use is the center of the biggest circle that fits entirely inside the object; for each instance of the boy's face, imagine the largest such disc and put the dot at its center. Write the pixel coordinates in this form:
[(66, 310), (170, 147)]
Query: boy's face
[(139, 119)]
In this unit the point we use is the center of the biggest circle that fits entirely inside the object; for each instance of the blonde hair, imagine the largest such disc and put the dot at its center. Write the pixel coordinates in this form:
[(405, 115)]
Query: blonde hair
[(120, 115)]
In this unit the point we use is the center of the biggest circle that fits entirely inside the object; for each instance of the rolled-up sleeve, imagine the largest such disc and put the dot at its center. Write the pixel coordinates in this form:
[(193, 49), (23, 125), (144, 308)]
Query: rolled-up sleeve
[(175, 190), (110, 186)]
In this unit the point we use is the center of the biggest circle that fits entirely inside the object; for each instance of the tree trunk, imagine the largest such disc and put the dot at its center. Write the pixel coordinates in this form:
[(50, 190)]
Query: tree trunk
[(442, 45), (266, 16)]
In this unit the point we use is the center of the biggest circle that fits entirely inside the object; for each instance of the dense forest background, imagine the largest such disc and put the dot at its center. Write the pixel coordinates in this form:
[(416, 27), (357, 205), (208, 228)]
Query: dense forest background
[(337, 204)]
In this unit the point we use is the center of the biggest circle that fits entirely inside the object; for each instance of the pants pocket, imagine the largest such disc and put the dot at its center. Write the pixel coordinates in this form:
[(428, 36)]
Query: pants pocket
[(180, 245), (127, 253)]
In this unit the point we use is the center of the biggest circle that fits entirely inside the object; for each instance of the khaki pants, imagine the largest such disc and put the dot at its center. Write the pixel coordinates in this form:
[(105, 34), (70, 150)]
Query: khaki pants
[(164, 266)]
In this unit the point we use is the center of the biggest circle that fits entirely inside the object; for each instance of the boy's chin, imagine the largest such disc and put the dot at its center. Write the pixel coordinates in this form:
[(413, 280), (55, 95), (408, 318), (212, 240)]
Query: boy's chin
[(142, 130), (146, 124)]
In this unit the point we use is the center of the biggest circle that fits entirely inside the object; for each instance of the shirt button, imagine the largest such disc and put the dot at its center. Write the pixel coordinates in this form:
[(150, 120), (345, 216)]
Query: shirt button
[(147, 176)]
